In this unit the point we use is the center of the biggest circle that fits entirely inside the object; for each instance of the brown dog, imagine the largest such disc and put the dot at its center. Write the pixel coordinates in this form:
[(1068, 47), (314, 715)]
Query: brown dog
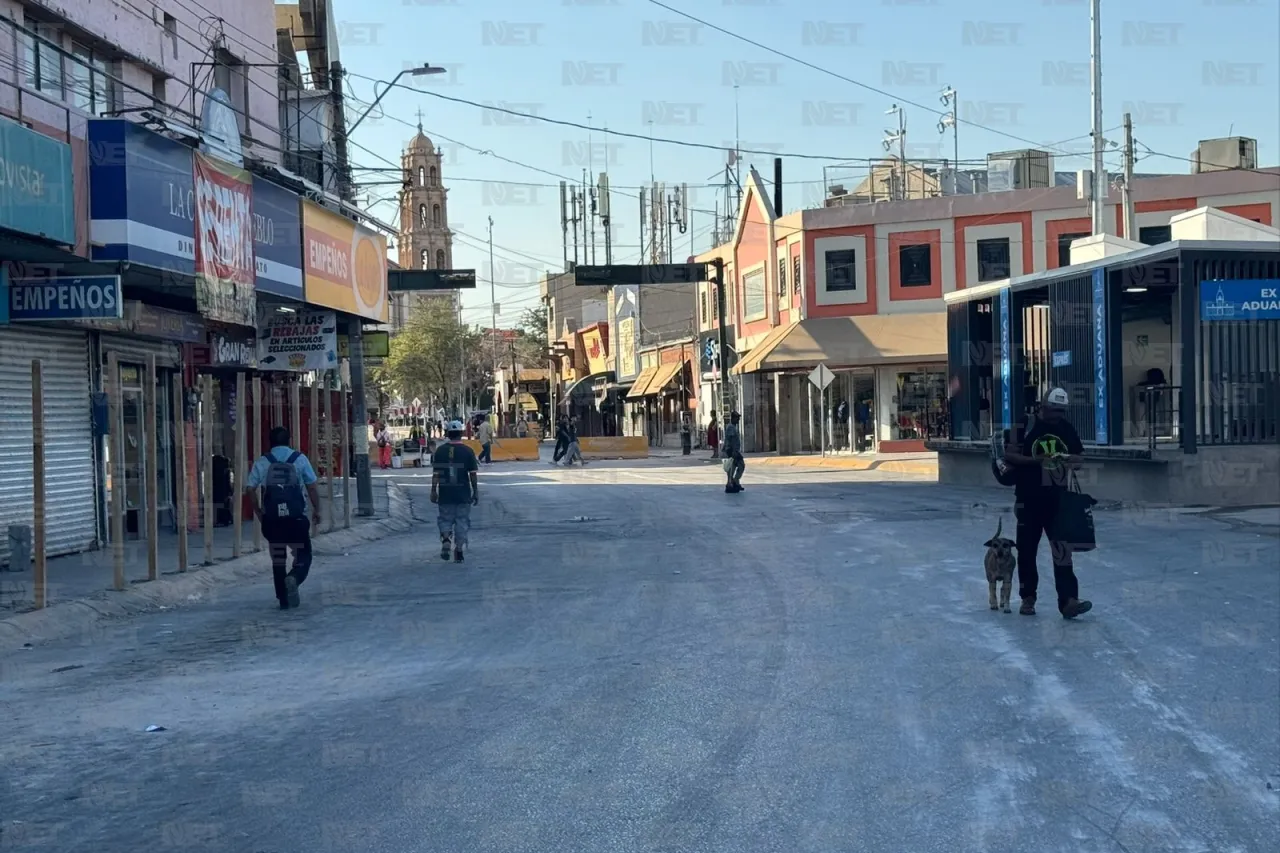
[(1000, 565)]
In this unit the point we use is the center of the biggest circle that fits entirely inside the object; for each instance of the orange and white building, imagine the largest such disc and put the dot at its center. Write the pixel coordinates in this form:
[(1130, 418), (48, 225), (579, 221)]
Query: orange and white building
[(860, 288)]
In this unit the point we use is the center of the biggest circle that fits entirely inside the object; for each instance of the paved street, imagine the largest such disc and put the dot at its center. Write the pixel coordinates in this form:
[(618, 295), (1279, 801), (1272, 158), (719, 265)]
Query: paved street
[(632, 660)]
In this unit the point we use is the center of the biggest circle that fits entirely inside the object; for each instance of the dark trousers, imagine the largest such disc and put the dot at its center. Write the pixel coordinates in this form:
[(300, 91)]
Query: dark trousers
[(281, 535), (484, 452), (735, 472), (1034, 515)]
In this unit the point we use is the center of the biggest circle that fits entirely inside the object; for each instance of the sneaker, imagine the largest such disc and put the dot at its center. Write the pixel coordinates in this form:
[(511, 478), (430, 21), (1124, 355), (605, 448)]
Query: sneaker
[(457, 555), (284, 605), (445, 547), (1075, 607), (1028, 607), (291, 590)]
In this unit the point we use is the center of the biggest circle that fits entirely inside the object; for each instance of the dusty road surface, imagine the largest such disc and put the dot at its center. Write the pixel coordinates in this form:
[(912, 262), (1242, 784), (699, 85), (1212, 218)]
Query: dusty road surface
[(632, 660)]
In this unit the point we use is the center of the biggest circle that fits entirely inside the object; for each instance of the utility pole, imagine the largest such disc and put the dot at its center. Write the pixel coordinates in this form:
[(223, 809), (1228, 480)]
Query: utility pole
[(722, 334), (493, 299), (1127, 189), (900, 137), (1099, 170), (952, 120)]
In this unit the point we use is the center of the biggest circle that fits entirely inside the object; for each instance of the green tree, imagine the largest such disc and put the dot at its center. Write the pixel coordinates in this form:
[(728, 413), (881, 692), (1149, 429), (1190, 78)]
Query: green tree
[(531, 346), (428, 355)]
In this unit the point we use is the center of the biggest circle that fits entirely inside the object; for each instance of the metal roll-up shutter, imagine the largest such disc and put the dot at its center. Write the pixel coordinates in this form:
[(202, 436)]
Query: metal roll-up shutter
[(136, 350), (69, 471)]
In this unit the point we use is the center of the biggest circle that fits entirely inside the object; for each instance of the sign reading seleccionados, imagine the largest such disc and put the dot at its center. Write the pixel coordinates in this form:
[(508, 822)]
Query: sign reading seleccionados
[(306, 340)]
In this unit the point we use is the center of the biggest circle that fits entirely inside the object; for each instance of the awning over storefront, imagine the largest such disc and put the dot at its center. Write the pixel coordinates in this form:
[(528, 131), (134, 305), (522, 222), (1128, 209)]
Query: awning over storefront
[(640, 387), (663, 377), (851, 341), (584, 390), (528, 403)]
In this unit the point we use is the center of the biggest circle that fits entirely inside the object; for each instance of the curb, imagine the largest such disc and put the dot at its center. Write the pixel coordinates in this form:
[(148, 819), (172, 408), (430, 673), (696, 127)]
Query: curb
[(904, 466), (68, 618)]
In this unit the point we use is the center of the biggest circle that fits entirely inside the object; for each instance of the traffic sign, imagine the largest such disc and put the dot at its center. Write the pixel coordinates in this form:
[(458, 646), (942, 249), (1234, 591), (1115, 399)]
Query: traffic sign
[(400, 281), (634, 274), (821, 377)]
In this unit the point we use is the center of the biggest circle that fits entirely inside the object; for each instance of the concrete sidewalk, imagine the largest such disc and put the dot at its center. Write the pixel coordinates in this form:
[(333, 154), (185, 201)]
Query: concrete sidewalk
[(80, 586), (923, 464)]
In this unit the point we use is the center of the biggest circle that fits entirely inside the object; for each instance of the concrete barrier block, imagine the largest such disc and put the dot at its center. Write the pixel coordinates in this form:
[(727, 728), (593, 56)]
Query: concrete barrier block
[(614, 447)]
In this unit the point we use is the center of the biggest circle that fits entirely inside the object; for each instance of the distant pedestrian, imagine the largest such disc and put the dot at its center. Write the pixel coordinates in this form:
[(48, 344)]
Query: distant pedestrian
[(562, 440), (713, 436), (484, 435), (522, 428), (574, 450), (733, 453), (383, 438), (454, 491), (288, 484)]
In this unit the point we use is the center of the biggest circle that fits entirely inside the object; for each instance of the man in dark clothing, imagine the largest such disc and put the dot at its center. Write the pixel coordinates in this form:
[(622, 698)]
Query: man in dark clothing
[(562, 440), (733, 453), (454, 491), (1045, 451), (288, 484)]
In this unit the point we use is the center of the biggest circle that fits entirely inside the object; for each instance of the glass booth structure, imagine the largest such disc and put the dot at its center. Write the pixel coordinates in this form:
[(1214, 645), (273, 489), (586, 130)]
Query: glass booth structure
[(1170, 355)]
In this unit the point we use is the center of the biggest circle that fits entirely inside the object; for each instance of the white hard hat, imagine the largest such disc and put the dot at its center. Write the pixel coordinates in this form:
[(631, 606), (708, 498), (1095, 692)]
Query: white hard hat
[(454, 426), (1057, 397)]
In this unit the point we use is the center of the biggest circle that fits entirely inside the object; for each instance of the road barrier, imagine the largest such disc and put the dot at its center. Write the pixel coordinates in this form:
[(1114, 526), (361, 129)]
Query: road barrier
[(509, 449)]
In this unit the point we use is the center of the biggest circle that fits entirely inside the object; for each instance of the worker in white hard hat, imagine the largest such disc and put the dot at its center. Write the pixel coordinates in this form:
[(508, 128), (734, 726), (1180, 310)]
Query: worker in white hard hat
[(1044, 450), (454, 490)]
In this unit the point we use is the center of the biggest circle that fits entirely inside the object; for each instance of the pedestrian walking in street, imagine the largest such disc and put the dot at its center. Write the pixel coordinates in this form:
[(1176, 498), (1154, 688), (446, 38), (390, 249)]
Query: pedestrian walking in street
[(383, 438), (713, 436), (484, 435), (522, 428), (1044, 451), (454, 491), (735, 464), (562, 441), (288, 505), (573, 451)]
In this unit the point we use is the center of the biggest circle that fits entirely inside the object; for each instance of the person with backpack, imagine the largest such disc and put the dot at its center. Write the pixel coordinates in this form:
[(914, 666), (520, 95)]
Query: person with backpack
[(384, 445), (454, 491), (287, 507)]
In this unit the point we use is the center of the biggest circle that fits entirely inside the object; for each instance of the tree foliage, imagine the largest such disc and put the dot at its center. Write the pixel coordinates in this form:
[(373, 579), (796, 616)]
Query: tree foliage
[(428, 355), (531, 346)]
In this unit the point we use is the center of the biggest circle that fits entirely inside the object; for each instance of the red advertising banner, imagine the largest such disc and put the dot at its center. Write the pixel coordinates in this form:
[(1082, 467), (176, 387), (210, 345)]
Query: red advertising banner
[(225, 266)]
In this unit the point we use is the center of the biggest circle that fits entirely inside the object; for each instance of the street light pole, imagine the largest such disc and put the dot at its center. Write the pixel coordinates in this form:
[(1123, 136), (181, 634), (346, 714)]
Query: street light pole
[(493, 299), (421, 71)]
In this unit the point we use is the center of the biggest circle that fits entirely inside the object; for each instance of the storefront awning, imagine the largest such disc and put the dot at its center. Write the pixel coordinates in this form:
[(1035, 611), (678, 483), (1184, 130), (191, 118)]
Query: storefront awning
[(641, 385), (528, 403), (851, 341), (663, 377)]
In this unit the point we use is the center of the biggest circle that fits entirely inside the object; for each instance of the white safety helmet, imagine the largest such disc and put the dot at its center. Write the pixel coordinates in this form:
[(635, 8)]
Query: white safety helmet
[(454, 426)]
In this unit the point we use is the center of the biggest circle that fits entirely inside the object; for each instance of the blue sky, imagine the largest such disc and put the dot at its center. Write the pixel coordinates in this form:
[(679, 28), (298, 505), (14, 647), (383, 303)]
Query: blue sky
[(1186, 69)]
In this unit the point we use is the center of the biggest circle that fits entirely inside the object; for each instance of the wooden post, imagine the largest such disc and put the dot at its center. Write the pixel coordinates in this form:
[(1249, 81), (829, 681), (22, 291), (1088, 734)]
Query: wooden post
[(206, 488), (277, 405), (327, 448), (180, 468), (295, 411), (116, 443), (38, 577), (151, 451), (258, 413), (346, 459), (237, 482)]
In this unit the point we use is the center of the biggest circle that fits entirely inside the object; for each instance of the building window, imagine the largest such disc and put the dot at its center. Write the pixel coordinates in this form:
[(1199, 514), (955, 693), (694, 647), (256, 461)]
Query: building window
[(795, 274), (231, 76), (753, 296), (435, 215), (1064, 247), (842, 275), (171, 32), (422, 177), (782, 280), (41, 59), (920, 407), (440, 259), (424, 257), (915, 265), (422, 214), (1155, 234), (993, 259), (90, 80), (433, 176)]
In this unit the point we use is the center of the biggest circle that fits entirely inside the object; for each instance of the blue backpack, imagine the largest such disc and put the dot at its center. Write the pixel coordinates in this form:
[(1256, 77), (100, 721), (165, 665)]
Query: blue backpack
[(282, 494)]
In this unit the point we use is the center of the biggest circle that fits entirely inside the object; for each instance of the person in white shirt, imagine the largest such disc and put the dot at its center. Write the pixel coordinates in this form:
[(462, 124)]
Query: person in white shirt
[(484, 435)]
